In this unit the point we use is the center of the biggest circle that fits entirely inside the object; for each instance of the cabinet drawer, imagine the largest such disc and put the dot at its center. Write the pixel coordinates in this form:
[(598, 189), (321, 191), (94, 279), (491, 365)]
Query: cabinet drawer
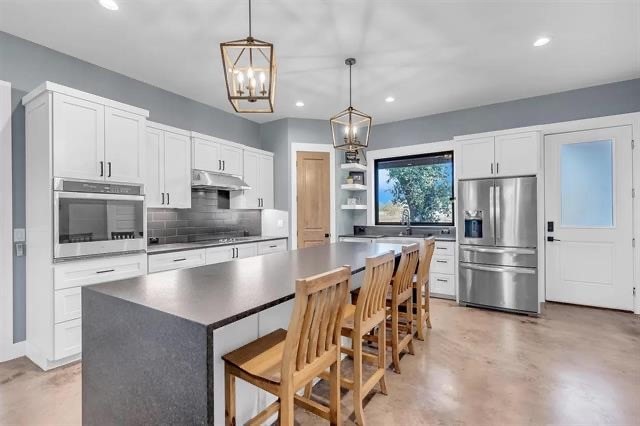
[(443, 264), (266, 247), (67, 339), (219, 254), (444, 248), (94, 271), (176, 260), (67, 304), (442, 284)]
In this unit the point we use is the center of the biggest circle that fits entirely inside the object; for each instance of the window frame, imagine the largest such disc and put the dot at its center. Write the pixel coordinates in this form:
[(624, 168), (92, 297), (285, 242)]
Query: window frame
[(409, 157)]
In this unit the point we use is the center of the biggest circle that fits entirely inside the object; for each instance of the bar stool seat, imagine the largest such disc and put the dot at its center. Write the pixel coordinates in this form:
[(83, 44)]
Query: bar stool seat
[(261, 358)]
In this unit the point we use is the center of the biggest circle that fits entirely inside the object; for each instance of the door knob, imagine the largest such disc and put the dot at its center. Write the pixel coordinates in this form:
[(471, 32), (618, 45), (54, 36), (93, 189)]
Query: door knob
[(327, 235), (552, 239)]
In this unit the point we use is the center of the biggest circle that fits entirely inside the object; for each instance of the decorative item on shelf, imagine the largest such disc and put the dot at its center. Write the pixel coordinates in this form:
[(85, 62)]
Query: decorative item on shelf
[(250, 73), (357, 177), (352, 201), (351, 157), (349, 180), (350, 128)]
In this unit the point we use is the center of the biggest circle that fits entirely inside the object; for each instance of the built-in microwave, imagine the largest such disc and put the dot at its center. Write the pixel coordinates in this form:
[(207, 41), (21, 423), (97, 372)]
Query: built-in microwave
[(97, 218)]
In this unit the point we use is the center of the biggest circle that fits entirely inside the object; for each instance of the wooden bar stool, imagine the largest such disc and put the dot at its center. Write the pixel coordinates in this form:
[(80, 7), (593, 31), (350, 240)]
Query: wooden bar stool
[(283, 362), (366, 315), (402, 296), (421, 289)]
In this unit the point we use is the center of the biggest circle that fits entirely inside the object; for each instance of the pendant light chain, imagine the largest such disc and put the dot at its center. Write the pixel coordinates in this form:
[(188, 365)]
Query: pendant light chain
[(249, 18), (350, 103)]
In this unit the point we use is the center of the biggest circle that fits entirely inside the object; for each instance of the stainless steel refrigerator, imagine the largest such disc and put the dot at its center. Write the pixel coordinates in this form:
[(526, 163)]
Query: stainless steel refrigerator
[(498, 243)]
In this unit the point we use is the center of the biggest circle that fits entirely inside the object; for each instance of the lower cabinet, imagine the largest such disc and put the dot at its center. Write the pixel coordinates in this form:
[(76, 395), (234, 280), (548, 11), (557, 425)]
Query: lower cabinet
[(227, 253), (176, 260), (442, 277), (267, 247)]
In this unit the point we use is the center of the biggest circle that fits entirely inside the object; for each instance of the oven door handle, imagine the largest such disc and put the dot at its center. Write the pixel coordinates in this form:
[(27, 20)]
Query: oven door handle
[(486, 268), (94, 196), (505, 250)]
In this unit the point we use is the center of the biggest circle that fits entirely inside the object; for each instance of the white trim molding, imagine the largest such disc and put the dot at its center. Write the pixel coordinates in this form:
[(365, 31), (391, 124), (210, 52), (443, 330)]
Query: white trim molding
[(8, 349), (293, 204), (423, 148)]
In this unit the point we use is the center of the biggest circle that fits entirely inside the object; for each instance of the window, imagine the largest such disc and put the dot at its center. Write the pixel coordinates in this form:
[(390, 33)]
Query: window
[(424, 183)]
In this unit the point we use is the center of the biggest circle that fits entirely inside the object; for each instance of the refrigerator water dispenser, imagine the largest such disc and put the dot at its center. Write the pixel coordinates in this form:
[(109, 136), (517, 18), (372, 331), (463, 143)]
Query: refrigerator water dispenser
[(473, 223)]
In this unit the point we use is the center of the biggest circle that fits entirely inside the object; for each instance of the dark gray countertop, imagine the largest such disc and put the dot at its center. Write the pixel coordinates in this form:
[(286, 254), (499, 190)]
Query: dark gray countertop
[(168, 248), (219, 294)]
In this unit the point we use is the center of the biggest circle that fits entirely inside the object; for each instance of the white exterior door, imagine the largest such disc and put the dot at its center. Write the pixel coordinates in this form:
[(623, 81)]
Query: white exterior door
[(177, 170), (476, 158), (588, 198), (154, 171), (266, 181), (125, 135), (78, 138)]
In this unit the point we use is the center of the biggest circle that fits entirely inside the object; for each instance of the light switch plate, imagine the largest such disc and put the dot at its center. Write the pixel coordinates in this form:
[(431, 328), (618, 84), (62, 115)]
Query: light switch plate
[(19, 235)]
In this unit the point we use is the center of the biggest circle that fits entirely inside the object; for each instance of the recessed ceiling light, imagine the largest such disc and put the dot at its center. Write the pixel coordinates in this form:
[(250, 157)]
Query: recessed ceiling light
[(541, 41), (109, 4), (389, 99), (299, 104)]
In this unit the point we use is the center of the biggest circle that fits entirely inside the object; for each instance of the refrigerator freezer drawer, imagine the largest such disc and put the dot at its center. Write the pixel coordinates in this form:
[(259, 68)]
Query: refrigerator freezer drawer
[(503, 287), (506, 256)]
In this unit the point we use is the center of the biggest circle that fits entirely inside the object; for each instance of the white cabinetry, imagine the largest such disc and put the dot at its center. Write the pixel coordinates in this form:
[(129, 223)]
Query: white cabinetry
[(267, 247), (93, 141), (176, 260), (227, 253), (442, 271), (499, 156), (168, 168), (216, 155), (258, 174)]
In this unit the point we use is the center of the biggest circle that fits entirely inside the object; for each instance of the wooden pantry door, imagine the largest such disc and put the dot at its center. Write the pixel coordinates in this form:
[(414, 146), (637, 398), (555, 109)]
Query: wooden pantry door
[(312, 174)]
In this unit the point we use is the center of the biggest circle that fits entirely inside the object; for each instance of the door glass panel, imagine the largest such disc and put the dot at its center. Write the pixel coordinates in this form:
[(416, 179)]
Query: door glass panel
[(586, 184)]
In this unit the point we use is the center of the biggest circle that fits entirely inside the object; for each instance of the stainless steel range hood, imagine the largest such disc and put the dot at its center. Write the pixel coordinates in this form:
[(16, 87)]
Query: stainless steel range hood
[(211, 181)]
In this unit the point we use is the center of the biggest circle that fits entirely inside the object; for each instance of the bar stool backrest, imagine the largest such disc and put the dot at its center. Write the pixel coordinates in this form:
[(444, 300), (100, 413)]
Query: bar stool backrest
[(372, 297), (424, 265), (403, 280), (315, 325)]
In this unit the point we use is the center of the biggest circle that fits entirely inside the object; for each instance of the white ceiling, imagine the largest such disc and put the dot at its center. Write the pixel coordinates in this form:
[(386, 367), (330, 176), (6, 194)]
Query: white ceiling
[(432, 56)]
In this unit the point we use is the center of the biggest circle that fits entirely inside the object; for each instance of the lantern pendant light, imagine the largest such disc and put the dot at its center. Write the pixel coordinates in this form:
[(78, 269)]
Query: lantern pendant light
[(350, 128), (250, 73)]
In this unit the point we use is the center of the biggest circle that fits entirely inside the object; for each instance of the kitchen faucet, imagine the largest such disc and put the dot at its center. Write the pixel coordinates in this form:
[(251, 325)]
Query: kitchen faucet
[(406, 219)]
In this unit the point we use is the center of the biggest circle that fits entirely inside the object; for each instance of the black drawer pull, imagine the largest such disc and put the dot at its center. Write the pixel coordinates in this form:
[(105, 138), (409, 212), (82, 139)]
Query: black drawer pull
[(442, 248), (273, 246), (441, 280), (105, 271), (442, 261), (180, 260)]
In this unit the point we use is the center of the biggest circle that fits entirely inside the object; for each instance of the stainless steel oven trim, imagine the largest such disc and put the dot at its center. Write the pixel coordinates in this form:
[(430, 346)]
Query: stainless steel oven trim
[(72, 250)]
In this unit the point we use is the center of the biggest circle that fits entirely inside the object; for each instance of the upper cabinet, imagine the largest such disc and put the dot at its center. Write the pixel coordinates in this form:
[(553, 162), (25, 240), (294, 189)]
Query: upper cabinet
[(258, 174), (94, 138), (168, 167), (216, 155), (498, 156)]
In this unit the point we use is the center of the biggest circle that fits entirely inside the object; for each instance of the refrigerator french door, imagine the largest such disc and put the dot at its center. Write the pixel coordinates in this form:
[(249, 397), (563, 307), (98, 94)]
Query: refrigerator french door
[(498, 243)]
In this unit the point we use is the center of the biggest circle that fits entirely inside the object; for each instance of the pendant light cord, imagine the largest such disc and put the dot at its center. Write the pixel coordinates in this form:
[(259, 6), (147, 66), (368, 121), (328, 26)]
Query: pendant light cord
[(249, 18), (350, 86)]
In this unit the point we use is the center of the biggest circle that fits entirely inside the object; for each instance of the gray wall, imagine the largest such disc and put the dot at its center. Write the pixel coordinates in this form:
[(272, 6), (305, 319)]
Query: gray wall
[(274, 137), (26, 65), (596, 101)]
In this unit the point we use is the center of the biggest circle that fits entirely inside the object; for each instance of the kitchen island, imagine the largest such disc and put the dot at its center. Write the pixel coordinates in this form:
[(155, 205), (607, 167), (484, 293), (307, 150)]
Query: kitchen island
[(152, 344)]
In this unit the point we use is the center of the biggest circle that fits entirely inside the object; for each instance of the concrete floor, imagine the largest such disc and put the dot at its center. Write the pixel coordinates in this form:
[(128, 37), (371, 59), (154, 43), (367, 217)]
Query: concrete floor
[(574, 365)]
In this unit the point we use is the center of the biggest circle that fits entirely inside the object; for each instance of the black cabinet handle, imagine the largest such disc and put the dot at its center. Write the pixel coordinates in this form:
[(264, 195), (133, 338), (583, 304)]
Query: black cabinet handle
[(105, 271), (101, 168), (219, 164), (273, 246), (163, 198), (224, 166), (109, 164), (180, 260), (168, 199), (237, 254), (491, 168), (441, 280), (442, 261), (497, 168)]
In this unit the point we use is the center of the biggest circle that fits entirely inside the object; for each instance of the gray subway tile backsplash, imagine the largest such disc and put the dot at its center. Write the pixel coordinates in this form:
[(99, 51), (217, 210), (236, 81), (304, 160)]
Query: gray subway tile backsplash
[(203, 220)]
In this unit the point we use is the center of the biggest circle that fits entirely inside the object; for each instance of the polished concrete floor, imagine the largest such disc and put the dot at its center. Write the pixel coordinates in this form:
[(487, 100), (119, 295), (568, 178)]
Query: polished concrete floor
[(572, 366)]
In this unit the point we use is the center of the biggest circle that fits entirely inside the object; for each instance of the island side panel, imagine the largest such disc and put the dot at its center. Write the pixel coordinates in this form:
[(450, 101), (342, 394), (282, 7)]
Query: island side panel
[(141, 366)]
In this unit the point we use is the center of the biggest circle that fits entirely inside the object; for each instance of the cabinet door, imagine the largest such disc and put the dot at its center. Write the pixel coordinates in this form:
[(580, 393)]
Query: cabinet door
[(231, 157), (206, 155), (177, 170), (246, 250), (219, 254), (154, 168), (476, 158), (124, 146), (266, 181), (252, 178), (67, 338), (517, 155), (78, 138)]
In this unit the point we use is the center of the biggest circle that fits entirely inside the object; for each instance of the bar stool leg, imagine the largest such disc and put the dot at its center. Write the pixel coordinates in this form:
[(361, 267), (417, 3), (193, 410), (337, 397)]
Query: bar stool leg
[(382, 352), (357, 381), (395, 341), (229, 397), (419, 317), (286, 415), (409, 306), (334, 393)]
